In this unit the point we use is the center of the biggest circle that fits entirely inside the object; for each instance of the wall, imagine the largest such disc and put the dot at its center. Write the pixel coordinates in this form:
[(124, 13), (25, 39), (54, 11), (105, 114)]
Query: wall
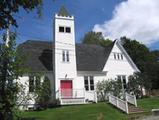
[(64, 41), (25, 94), (118, 67)]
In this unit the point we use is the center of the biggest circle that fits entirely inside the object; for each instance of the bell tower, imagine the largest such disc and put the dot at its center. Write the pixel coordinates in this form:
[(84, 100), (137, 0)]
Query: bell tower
[(64, 48)]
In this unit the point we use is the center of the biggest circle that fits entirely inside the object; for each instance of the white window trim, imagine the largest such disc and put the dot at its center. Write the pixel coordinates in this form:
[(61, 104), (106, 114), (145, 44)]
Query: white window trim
[(65, 29), (66, 56), (89, 85)]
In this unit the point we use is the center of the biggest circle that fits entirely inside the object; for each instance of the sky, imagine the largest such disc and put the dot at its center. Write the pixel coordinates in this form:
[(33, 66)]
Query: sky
[(136, 19)]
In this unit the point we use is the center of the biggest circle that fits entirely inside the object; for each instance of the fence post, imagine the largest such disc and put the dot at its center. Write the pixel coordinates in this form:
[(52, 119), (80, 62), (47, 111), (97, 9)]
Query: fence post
[(126, 105), (117, 104), (135, 101)]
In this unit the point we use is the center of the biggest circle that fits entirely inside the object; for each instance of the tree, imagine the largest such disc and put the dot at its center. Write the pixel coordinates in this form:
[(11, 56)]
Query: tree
[(146, 60), (9, 65), (9, 72), (8, 8), (43, 92), (138, 82), (139, 53), (106, 87), (95, 38)]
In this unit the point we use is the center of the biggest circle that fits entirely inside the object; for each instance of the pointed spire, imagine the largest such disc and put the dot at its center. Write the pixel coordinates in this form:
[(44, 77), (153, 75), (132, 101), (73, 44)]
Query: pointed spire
[(63, 12)]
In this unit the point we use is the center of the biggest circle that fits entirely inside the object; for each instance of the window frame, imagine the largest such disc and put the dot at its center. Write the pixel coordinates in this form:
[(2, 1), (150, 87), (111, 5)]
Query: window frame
[(63, 31), (66, 29), (65, 56), (89, 86), (123, 80), (36, 81)]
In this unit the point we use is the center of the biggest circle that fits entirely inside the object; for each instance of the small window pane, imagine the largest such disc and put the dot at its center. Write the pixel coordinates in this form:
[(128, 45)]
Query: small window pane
[(86, 88), (37, 82), (118, 56), (114, 56), (63, 56), (124, 81), (122, 56), (119, 78), (86, 83), (86, 80), (31, 83), (67, 56), (68, 30), (61, 29), (92, 87), (91, 80)]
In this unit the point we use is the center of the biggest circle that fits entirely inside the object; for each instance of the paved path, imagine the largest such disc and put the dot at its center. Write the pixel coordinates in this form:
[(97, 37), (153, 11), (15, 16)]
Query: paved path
[(150, 118)]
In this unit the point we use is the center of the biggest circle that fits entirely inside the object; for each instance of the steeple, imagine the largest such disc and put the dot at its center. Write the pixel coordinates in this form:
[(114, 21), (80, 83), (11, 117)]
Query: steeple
[(63, 12)]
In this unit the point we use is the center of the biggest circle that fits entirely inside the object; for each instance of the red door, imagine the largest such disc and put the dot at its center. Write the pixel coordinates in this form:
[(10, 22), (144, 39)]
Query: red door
[(66, 88)]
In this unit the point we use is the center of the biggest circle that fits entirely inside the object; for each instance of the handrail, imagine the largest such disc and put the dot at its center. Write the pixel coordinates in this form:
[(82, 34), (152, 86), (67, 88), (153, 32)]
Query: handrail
[(121, 104), (131, 99)]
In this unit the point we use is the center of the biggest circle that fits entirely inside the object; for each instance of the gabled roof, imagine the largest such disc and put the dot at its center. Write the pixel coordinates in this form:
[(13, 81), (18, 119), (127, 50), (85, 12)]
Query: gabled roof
[(63, 12), (88, 57), (127, 56)]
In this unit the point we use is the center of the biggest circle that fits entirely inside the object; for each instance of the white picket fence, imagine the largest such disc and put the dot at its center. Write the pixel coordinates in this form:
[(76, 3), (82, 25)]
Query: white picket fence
[(121, 104), (117, 102), (131, 99)]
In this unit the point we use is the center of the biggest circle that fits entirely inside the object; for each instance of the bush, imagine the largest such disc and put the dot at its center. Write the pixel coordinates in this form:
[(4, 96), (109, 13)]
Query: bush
[(54, 104)]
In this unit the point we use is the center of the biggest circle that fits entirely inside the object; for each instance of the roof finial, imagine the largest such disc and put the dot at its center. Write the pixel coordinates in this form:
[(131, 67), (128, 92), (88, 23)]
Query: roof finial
[(63, 12)]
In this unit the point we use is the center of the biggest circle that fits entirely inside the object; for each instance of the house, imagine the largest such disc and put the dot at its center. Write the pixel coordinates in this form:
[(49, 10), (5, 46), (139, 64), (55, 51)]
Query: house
[(74, 68)]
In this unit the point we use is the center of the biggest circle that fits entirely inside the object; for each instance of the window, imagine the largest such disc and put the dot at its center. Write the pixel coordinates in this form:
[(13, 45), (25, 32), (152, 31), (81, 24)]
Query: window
[(122, 78), (89, 83), (64, 29), (68, 30), (114, 55), (61, 29), (31, 83), (86, 83), (65, 56), (122, 56), (118, 56), (34, 83)]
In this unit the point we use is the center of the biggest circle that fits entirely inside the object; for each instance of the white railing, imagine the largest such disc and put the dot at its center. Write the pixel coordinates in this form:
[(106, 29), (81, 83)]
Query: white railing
[(71, 93), (122, 105), (131, 99), (72, 96)]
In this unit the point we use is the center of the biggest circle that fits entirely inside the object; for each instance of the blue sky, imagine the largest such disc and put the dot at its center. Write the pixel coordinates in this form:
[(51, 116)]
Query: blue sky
[(87, 14)]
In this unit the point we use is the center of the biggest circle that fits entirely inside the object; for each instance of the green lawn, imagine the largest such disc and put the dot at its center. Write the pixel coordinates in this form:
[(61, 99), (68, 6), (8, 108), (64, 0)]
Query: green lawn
[(89, 112), (149, 103)]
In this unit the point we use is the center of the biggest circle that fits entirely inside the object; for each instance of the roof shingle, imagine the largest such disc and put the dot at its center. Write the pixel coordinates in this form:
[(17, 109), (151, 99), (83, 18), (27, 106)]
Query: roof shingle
[(39, 56)]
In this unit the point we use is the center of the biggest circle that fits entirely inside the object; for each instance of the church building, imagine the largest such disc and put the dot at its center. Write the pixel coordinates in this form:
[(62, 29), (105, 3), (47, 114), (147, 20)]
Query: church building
[(73, 68)]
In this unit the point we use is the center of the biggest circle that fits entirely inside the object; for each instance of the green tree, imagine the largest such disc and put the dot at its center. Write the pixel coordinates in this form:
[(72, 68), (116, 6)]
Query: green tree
[(137, 82), (43, 92), (8, 9), (139, 53), (146, 60), (95, 38), (104, 88), (9, 72), (9, 68)]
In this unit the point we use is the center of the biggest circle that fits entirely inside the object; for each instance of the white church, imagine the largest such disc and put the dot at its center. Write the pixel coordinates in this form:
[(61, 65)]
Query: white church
[(74, 68)]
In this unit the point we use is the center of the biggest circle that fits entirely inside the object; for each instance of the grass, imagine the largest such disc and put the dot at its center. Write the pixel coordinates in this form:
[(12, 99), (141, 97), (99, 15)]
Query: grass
[(149, 103), (90, 111)]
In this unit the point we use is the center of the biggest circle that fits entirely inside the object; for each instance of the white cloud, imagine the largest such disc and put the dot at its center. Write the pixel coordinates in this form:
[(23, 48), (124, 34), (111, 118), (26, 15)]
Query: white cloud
[(136, 19)]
